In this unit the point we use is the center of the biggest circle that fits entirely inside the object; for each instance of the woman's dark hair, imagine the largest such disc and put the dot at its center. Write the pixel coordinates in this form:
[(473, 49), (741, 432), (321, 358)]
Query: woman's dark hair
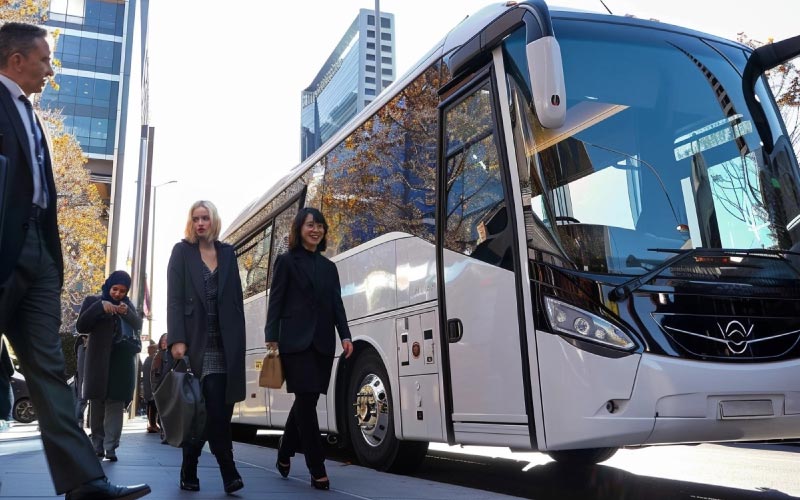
[(294, 235)]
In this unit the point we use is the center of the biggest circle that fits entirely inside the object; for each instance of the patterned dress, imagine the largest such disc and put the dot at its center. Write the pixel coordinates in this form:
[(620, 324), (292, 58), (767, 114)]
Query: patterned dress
[(214, 357)]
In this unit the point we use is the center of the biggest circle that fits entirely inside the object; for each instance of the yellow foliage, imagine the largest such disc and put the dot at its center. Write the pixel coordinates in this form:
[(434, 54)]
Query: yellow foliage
[(81, 217), (24, 11)]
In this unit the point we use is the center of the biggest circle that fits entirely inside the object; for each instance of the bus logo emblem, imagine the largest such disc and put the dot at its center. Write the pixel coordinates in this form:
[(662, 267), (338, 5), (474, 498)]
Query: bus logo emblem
[(736, 336)]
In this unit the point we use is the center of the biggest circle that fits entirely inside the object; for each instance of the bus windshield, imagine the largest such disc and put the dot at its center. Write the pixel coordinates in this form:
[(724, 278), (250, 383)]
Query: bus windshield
[(659, 152)]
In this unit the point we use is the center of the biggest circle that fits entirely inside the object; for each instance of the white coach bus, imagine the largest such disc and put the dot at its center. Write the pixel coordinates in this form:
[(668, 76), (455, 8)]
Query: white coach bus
[(560, 231)]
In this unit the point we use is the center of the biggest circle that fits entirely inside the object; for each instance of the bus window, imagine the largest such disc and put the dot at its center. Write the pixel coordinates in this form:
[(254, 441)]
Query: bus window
[(253, 257), (477, 218), (283, 225), (382, 177)]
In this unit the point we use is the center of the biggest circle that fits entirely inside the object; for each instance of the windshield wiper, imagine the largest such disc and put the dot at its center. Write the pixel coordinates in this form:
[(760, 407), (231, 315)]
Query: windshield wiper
[(623, 291)]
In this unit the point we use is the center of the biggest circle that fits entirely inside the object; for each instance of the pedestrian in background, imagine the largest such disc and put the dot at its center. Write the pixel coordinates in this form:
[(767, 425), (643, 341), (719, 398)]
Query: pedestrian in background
[(205, 321), (110, 366), (162, 363), (147, 389), (32, 270), (305, 303)]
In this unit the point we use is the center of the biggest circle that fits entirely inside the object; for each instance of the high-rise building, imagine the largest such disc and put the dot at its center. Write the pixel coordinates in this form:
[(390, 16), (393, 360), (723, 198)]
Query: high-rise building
[(95, 47), (354, 74)]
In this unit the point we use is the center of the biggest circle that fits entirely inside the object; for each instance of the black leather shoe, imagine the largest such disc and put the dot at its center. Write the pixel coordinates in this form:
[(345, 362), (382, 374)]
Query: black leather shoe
[(189, 479), (283, 469), (190, 484), (111, 456), (321, 484), (102, 489), (234, 485)]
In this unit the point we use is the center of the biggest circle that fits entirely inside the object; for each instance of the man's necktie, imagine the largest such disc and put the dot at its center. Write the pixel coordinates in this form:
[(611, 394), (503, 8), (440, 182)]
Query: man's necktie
[(38, 150)]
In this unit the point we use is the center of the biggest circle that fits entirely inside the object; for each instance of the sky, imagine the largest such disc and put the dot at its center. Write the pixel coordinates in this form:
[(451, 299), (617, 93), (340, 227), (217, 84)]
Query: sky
[(225, 85)]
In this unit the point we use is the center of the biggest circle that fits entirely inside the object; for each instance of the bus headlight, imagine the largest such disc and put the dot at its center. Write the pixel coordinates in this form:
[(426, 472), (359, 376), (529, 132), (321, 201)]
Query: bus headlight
[(583, 325)]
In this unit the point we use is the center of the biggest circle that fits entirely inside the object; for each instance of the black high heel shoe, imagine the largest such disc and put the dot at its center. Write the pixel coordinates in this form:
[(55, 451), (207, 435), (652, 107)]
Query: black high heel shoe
[(321, 484), (283, 469)]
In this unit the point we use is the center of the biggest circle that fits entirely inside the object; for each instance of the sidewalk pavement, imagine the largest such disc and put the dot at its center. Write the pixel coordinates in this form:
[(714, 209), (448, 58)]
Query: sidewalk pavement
[(143, 459)]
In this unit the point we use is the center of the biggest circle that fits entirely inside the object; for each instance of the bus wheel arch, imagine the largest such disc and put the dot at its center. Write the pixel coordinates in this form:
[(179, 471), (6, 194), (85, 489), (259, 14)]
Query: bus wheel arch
[(587, 456), (368, 412)]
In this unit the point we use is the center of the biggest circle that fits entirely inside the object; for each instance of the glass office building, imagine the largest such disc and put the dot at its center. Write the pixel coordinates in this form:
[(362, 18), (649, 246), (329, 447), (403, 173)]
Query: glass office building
[(94, 47), (349, 79)]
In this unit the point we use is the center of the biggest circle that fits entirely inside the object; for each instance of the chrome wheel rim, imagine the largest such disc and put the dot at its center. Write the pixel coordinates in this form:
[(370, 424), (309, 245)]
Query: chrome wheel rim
[(372, 410), (24, 412)]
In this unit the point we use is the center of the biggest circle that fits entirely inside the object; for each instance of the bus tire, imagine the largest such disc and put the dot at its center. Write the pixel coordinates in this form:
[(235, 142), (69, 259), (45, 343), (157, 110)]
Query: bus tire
[(370, 419), (587, 456)]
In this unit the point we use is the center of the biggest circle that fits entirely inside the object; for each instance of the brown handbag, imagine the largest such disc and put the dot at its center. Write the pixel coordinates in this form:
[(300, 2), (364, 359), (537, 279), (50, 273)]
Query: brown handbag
[(271, 371)]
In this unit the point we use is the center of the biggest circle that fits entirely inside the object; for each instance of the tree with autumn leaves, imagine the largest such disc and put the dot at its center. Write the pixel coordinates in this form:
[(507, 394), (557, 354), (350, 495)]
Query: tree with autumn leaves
[(24, 11), (81, 213)]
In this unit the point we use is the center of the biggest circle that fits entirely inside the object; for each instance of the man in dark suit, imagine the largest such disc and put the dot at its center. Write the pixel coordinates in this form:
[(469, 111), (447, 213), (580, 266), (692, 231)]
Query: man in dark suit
[(31, 269)]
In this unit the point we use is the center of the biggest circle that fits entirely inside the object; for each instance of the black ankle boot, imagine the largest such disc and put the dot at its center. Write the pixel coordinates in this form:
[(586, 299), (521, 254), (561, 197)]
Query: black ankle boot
[(231, 480), (189, 480)]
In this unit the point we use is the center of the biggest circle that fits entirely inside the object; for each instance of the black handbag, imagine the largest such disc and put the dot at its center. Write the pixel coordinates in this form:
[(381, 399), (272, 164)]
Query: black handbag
[(180, 404), (130, 341)]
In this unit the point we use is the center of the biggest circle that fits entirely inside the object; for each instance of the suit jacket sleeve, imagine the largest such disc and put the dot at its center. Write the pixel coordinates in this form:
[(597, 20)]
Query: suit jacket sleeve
[(339, 315), (277, 297), (176, 296), (91, 311)]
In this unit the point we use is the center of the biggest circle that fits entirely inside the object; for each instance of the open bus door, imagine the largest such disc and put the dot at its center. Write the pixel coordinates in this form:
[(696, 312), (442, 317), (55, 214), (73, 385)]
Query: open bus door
[(477, 279)]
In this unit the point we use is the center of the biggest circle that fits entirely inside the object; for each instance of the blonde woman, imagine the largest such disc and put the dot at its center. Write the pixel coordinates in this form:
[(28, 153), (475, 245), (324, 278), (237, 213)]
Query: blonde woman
[(205, 321)]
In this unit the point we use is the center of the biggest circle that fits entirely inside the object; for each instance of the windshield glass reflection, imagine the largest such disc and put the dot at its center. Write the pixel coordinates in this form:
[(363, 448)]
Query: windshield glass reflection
[(659, 152)]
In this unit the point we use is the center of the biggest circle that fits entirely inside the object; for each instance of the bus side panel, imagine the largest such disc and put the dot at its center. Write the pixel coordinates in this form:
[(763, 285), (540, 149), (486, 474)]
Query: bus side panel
[(388, 277), (253, 410), (368, 281), (576, 389)]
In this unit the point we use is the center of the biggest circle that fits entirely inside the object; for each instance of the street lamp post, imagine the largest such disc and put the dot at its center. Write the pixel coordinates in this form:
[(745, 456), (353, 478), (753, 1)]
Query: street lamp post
[(153, 255)]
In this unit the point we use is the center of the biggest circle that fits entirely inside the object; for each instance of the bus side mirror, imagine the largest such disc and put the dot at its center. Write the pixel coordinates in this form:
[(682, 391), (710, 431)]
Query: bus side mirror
[(762, 59), (547, 81)]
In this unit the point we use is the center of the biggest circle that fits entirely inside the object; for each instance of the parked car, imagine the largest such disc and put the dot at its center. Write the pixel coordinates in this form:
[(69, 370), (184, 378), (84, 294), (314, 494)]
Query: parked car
[(23, 410)]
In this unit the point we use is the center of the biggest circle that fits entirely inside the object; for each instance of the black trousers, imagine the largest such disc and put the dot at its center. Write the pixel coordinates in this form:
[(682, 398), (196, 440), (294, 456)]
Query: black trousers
[(218, 419), (302, 429), (31, 305)]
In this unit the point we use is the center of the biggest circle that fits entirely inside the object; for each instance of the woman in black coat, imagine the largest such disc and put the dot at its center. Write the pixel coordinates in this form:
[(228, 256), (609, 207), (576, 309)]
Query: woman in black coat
[(205, 322), (305, 303), (110, 366)]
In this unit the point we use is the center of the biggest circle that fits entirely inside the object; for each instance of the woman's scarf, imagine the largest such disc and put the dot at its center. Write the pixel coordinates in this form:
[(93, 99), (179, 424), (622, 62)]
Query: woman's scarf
[(116, 278)]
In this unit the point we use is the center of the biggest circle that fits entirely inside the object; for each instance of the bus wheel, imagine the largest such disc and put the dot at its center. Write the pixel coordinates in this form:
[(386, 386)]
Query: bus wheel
[(588, 456), (370, 419)]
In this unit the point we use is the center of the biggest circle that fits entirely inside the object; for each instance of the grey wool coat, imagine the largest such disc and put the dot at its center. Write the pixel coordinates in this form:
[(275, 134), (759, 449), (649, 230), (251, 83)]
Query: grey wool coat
[(109, 372), (187, 315)]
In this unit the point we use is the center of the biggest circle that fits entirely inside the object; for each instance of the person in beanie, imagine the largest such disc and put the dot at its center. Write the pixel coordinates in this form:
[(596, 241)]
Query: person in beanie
[(110, 365)]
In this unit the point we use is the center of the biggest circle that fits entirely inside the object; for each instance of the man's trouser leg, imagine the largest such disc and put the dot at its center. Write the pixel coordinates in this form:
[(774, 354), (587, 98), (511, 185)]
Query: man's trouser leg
[(34, 319)]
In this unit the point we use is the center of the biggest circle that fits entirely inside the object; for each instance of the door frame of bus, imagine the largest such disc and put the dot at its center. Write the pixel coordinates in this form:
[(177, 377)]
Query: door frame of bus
[(457, 91)]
